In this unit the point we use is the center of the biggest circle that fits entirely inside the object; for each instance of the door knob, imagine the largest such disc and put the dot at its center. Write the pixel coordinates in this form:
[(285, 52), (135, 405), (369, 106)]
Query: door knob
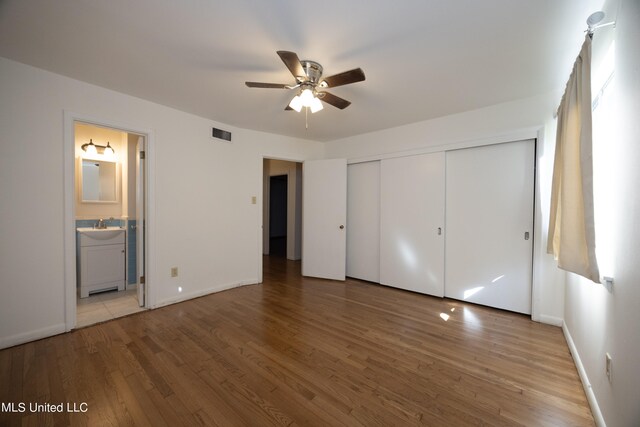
[(341, 227)]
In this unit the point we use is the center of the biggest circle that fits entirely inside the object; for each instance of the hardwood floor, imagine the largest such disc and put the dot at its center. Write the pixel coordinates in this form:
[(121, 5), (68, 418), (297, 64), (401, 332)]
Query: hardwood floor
[(300, 351)]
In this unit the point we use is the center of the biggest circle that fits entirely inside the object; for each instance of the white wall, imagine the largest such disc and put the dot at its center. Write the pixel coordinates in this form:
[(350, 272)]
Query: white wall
[(204, 221), (517, 120), (596, 320), (489, 122)]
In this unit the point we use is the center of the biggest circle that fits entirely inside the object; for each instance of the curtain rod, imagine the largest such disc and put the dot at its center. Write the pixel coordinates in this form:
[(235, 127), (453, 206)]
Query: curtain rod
[(592, 26), (592, 30)]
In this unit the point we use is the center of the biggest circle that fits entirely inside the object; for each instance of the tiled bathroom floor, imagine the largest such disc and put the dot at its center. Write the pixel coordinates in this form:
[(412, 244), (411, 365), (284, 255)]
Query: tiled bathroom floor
[(106, 306)]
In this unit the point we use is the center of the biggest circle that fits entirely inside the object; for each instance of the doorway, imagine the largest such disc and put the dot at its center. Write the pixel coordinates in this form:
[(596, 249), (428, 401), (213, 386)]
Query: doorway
[(282, 209), (109, 222), (278, 215)]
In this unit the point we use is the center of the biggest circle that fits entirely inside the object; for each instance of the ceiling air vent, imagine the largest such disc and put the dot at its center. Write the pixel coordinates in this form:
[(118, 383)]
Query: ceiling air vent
[(221, 134)]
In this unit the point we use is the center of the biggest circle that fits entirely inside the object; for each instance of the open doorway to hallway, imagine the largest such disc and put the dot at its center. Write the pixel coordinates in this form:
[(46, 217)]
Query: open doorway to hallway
[(282, 209)]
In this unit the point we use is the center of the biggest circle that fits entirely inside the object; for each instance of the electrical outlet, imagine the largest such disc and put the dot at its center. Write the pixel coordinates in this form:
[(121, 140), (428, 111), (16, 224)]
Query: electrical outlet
[(254, 200), (608, 365), (174, 271)]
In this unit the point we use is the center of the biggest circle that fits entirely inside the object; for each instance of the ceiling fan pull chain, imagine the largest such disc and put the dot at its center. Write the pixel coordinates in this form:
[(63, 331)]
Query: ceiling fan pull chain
[(306, 117)]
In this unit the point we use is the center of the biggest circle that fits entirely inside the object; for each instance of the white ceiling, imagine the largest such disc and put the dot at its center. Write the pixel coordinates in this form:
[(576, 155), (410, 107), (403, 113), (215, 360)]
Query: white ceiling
[(422, 58)]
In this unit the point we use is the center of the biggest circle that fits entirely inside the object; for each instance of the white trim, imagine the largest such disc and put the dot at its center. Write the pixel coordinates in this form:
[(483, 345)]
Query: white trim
[(588, 390), (536, 273), (516, 135), (69, 290), (69, 237), (32, 335)]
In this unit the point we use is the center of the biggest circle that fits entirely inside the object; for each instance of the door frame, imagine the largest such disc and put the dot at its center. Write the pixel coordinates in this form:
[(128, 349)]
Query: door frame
[(69, 291)]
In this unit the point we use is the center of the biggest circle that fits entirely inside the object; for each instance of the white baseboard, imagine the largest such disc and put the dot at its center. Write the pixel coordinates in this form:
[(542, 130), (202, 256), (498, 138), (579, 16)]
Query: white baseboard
[(591, 397), (211, 290), (32, 335), (551, 320)]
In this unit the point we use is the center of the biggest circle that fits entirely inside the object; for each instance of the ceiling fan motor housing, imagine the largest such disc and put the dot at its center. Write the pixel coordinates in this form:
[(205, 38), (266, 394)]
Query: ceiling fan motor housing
[(313, 72)]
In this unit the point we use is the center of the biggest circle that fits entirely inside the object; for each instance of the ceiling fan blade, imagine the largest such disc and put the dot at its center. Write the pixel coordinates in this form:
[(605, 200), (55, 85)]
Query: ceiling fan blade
[(351, 76), (336, 101), (292, 62), (288, 108), (267, 85)]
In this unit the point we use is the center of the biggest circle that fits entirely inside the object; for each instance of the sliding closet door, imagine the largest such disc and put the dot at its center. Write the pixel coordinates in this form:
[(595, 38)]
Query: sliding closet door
[(363, 221), (490, 225), (411, 223)]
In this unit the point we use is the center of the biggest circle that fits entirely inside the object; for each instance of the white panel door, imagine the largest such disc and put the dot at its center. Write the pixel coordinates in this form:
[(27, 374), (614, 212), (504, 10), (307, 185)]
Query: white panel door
[(412, 223), (363, 221), (490, 225), (324, 216)]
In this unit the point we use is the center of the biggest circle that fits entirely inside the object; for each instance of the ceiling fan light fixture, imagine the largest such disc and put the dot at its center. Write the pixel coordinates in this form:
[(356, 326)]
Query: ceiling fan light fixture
[(296, 103), (306, 97), (309, 79), (316, 105)]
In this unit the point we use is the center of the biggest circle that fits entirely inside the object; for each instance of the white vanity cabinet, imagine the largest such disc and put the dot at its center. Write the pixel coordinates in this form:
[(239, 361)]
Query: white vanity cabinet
[(101, 260)]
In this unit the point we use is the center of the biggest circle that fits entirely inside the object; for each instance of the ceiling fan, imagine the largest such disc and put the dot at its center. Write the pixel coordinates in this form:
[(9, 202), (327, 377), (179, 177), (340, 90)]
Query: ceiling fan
[(309, 81)]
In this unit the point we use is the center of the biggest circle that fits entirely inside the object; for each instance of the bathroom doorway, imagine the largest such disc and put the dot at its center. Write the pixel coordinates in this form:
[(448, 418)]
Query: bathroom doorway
[(109, 212), (282, 209)]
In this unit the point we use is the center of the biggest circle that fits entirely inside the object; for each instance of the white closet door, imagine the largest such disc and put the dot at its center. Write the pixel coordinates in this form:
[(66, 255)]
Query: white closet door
[(363, 221), (490, 225), (411, 223), (324, 216)]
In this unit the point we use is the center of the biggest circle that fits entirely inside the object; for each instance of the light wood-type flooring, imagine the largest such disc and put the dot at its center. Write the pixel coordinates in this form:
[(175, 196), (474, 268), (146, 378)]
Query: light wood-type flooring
[(300, 351)]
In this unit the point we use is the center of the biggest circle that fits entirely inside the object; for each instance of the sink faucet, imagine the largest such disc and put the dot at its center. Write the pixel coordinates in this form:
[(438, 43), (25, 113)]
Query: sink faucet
[(101, 224)]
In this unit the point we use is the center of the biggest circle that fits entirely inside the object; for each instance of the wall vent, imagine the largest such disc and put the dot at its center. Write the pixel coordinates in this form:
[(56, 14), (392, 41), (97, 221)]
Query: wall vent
[(221, 134)]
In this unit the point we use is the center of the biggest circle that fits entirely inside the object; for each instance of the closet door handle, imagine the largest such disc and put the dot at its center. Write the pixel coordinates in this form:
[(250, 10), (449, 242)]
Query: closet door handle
[(526, 235), (439, 231)]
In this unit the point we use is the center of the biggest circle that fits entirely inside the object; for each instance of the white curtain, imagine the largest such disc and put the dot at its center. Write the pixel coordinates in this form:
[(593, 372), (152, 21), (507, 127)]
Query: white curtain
[(571, 237)]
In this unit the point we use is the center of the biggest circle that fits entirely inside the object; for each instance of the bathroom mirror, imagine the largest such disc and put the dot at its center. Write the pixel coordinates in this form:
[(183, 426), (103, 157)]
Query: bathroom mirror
[(99, 181)]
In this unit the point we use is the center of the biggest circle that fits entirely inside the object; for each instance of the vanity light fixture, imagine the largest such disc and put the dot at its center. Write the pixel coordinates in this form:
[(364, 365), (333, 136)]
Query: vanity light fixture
[(93, 149), (109, 152)]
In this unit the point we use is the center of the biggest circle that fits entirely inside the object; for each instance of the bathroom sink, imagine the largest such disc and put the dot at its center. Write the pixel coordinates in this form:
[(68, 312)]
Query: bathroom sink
[(100, 233)]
